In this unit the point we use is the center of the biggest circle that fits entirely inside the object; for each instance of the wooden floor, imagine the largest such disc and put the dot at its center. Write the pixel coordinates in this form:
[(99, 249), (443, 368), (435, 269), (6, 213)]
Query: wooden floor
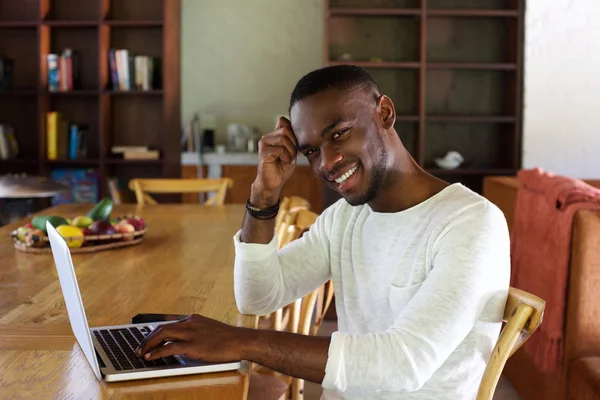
[(312, 391)]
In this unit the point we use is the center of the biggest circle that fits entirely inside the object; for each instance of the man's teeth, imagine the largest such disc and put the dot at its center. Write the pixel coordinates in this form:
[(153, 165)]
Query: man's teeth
[(346, 175)]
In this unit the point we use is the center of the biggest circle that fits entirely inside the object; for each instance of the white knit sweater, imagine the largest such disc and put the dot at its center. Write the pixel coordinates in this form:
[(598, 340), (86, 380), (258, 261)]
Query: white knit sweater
[(419, 293)]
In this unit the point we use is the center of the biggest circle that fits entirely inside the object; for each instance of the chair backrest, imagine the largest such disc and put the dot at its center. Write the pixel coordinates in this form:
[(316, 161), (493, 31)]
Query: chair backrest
[(297, 222), (294, 224), (523, 314), (142, 188), (288, 203)]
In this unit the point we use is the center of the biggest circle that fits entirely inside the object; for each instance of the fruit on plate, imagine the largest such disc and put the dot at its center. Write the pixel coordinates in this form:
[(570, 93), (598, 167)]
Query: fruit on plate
[(22, 232), (102, 227), (137, 222), (39, 221), (72, 234), (82, 221), (35, 238), (101, 210), (126, 229)]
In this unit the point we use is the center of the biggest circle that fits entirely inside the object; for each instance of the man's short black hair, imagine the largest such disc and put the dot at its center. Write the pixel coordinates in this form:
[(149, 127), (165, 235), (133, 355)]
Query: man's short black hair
[(339, 77)]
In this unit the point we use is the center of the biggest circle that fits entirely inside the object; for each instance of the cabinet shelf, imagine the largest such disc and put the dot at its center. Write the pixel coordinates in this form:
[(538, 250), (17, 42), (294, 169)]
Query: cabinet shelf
[(473, 13), (154, 92), (374, 12), (120, 161), (18, 92), (71, 93), (18, 161), (390, 12), (134, 23), (18, 24), (383, 64), (472, 118), (472, 65), (70, 24), (84, 162)]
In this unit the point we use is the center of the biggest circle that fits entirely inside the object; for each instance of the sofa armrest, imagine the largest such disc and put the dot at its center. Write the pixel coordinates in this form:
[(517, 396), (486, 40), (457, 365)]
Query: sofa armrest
[(582, 333), (502, 191), (584, 379)]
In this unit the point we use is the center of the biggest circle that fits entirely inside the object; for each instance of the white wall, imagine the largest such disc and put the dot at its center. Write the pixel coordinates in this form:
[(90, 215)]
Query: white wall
[(242, 58), (562, 87)]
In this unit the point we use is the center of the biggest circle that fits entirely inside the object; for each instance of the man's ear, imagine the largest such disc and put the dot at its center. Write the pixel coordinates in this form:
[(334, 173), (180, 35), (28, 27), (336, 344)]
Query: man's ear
[(386, 110)]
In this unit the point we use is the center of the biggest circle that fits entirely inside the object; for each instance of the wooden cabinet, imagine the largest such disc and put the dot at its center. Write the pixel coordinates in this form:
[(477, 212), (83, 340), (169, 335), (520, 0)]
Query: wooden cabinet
[(150, 117), (454, 70), (302, 183)]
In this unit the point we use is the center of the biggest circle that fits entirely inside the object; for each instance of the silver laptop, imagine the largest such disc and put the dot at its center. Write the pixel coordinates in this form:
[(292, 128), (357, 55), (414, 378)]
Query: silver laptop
[(110, 350)]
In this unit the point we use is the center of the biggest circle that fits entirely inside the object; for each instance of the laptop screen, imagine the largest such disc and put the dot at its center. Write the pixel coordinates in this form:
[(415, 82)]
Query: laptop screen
[(72, 296)]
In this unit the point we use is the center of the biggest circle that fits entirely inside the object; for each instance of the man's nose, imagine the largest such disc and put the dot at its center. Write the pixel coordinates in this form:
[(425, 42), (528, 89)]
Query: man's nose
[(329, 158)]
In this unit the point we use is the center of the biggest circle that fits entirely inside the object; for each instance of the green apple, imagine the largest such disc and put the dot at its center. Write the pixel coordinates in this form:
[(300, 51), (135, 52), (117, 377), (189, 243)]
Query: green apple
[(82, 221)]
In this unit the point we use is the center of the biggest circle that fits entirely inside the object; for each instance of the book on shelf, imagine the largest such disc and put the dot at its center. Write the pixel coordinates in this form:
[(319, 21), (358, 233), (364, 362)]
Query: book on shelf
[(83, 183), (136, 152), (133, 71), (64, 139), (6, 72), (63, 71), (9, 147)]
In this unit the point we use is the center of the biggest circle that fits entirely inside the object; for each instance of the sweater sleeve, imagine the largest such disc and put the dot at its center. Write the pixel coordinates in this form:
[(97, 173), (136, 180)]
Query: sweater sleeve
[(266, 279), (470, 271)]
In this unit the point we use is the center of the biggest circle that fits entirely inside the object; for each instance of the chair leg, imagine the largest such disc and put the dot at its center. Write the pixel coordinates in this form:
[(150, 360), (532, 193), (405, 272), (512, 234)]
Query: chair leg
[(297, 389)]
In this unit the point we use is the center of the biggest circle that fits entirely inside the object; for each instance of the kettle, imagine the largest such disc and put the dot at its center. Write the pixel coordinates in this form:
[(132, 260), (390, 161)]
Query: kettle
[(238, 137)]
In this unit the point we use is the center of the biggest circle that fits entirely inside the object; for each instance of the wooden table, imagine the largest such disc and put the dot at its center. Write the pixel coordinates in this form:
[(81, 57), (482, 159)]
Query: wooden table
[(183, 266)]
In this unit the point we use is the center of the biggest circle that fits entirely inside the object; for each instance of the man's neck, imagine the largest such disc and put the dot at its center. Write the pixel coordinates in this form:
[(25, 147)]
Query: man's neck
[(406, 186)]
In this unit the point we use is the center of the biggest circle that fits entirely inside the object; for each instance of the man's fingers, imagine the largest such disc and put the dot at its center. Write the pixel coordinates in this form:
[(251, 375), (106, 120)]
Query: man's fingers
[(284, 126), (272, 153), (166, 350), (161, 334), (281, 122), (279, 141)]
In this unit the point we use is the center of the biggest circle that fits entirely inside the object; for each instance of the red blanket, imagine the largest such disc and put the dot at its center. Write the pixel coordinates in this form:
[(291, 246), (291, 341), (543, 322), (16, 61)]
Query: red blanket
[(540, 251)]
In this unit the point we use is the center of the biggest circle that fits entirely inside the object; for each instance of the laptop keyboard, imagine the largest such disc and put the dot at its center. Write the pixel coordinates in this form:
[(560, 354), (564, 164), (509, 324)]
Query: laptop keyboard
[(120, 344)]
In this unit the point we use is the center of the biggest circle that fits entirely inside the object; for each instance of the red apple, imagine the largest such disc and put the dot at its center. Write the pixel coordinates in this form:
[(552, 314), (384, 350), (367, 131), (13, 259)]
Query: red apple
[(102, 227), (126, 229), (137, 223)]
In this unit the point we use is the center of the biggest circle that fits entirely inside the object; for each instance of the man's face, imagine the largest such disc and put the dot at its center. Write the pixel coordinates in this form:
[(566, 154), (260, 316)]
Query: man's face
[(340, 134)]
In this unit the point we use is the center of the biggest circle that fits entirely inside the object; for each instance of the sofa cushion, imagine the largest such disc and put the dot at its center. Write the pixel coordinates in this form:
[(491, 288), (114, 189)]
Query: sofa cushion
[(584, 379)]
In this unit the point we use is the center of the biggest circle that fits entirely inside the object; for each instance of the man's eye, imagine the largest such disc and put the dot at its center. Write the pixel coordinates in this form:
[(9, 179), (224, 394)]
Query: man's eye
[(339, 133), (309, 152)]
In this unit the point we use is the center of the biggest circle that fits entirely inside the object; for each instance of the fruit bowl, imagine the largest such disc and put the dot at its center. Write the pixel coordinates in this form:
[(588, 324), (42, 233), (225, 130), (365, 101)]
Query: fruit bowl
[(95, 231)]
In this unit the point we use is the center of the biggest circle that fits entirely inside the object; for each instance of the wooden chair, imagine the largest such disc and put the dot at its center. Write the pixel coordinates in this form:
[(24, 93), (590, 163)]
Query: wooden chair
[(523, 315), (142, 188), (297, 317), (294, 223), (288, 203)]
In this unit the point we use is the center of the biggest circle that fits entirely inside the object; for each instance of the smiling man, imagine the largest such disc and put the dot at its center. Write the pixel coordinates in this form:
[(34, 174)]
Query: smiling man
[(420, 266)]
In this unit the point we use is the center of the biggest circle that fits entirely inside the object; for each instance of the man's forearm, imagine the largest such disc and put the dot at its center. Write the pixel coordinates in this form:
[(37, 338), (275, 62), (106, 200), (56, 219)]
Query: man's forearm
[(291, 354), (257, 230)]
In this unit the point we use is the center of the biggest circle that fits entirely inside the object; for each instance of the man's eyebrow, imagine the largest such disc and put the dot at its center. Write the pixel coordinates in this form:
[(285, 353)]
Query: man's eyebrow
[(304, 146), (331, 127)]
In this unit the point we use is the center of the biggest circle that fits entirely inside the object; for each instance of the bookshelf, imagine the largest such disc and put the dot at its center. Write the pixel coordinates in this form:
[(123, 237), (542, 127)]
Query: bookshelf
[(32, 29), (454, 69)]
